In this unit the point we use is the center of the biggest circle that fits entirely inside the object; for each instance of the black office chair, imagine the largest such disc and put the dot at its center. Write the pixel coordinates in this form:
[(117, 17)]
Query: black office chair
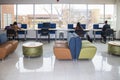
[(110, 34), (11, 34), (45, 30)]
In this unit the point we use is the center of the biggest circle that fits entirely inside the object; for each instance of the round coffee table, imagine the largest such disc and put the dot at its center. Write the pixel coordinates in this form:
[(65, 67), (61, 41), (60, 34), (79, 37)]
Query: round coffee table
[(32, 49), (114, 47)]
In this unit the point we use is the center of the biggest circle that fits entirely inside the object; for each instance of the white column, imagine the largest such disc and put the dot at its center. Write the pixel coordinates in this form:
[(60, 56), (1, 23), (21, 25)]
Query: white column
[(118, 19)]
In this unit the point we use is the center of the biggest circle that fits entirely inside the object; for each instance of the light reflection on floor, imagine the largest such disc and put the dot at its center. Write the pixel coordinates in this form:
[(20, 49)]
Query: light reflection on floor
[(35, 65)]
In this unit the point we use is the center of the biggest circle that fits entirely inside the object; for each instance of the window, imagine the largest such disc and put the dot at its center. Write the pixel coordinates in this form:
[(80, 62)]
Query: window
[(42, 13), (95, 14), (78, 13), (60, 15), (110, 15), (25, 14)]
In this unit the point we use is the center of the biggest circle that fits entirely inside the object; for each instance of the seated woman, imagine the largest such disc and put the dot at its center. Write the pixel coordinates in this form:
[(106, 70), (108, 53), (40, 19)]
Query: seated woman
[(79, 30), (15, 27)]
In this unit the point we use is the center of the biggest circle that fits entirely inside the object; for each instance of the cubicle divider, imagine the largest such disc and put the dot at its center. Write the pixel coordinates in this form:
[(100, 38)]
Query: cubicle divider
[(52, 25), (96, 26), (70, 26), (83, 26), (23, 32)]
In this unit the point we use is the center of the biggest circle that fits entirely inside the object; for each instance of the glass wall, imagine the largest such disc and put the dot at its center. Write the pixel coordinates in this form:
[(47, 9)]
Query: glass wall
[(78, 13), (95, 14), (110, 15), (25, 14), (42, 13), (61, 14)]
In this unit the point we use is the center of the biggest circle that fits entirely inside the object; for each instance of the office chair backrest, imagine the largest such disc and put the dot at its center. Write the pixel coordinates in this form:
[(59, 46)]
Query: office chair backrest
[(46, 25), (11, 33), (109, 32), (45, 29)]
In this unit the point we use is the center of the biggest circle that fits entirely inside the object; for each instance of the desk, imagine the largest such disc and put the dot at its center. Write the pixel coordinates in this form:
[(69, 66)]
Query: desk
[(67, 30), (54, 29), (25, 32), (94, 32)]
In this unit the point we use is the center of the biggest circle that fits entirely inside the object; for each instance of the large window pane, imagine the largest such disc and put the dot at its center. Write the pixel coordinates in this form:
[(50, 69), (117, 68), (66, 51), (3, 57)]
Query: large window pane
[(25, 14), (78, 13), (7, 15), (60, 14), (109, 15), (42, 13), (95, 14)]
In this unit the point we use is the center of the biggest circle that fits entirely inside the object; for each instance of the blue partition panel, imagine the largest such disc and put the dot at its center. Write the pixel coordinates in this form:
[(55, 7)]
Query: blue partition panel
[(23, 26), (70, 26), (40, 25), (96, 26), (83, 26), (52, 25)]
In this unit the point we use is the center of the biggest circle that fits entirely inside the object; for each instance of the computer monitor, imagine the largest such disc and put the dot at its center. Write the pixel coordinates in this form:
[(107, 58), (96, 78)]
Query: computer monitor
[(101, 25)]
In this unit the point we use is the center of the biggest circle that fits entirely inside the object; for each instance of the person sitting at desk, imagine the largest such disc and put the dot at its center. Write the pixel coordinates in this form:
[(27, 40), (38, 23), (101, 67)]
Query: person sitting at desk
[(16, 28), (79, 30), (103, 34)]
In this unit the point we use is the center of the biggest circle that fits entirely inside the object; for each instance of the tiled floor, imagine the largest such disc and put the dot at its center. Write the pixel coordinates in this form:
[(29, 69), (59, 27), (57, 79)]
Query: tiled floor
[(102, 67)]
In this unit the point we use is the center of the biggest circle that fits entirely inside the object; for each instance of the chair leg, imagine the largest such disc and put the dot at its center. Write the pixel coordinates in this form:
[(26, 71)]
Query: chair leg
[(40, 38), (48, 38)]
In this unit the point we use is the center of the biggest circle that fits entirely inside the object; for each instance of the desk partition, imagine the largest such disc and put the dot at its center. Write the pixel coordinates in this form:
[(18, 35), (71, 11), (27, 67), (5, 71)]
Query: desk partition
[(23, 32), (96, 26)]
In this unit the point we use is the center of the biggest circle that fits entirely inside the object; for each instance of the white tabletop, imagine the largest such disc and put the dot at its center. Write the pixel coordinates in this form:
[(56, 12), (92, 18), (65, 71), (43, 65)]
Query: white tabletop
[(116, 43), (32, 44)]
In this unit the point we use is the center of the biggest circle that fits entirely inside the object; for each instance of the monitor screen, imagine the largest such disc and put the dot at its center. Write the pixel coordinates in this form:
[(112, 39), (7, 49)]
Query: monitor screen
[(101, 25)]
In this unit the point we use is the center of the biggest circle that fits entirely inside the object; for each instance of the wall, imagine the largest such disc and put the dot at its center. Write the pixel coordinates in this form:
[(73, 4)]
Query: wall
[(55, 1)]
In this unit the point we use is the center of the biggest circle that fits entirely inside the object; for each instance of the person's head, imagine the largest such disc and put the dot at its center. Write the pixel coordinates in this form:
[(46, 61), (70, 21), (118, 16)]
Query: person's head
[(78, 24), (15, 23), (105, 22)]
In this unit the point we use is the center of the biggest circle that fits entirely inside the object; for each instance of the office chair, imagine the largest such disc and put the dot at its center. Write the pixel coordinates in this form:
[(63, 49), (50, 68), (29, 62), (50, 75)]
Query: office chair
[(11, 34), (110, 34), (45, 30)]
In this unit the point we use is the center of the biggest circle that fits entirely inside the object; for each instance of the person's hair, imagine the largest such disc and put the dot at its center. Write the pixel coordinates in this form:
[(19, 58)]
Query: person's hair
[(105, 22), (78, 24), (15, 23)]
